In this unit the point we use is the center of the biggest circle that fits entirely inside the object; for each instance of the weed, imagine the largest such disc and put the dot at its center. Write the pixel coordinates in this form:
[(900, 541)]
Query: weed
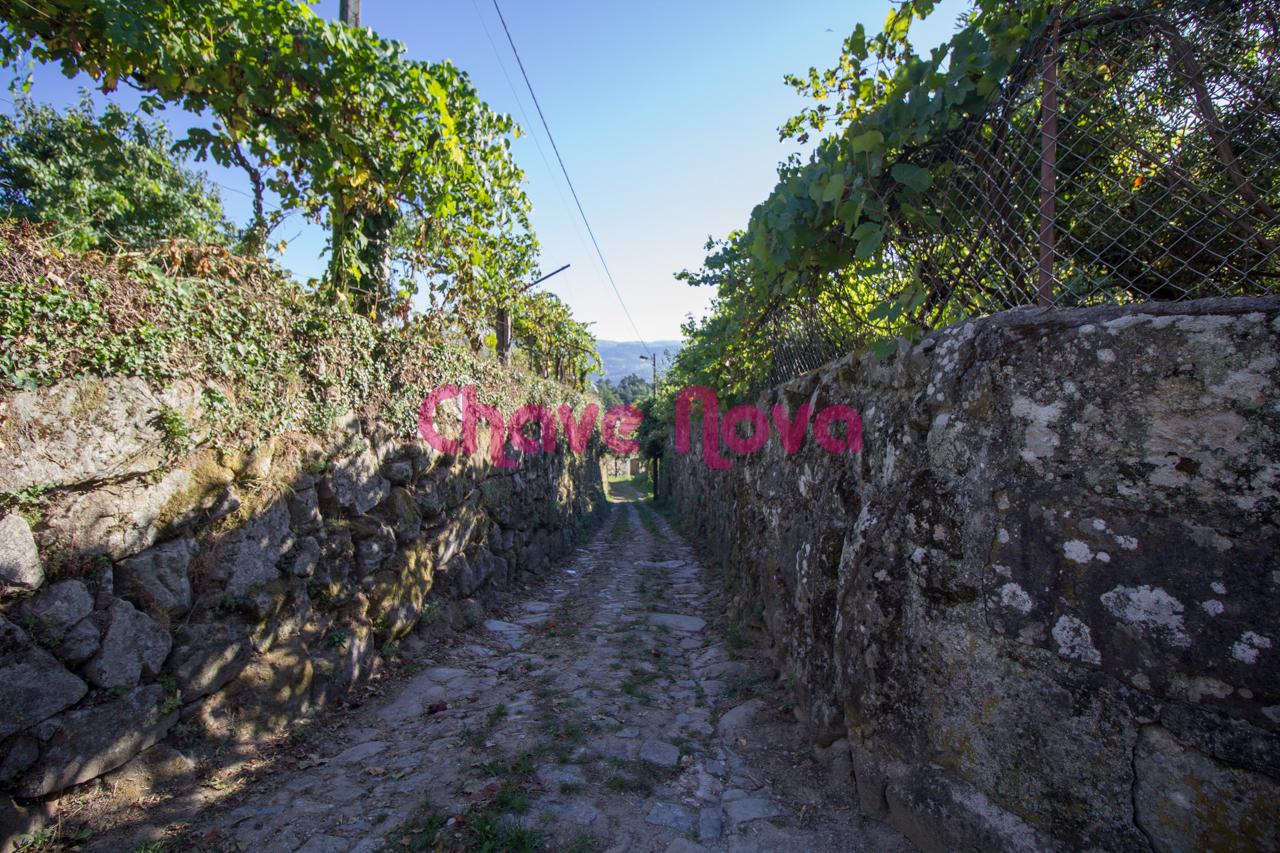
[(154, 847), (511, 799), (742, 686), (736, 639), (583, 843), (636, 777), (624, 784), (423, 828), (191, 733), (175, 432), (488, 833), (37, 842), (29, 502), (430, 613)]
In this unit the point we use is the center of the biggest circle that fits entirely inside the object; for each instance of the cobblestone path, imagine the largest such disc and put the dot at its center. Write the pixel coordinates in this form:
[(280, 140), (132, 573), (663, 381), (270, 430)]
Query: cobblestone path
[(612, 709)]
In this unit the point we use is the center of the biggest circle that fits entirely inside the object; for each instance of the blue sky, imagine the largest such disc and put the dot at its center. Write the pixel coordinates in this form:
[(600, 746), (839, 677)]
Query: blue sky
[(666, 114)]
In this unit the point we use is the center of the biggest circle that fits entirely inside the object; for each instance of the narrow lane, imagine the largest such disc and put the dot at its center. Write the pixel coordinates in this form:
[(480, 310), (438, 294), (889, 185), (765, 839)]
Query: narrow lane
[(613, 709)]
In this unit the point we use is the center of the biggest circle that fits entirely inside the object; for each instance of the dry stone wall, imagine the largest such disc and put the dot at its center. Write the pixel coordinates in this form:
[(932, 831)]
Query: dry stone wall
[(230, 592), (1039, 609)]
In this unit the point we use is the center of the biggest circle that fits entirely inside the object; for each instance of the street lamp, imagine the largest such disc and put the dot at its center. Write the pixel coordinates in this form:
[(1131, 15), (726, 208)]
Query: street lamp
[(653, 359)]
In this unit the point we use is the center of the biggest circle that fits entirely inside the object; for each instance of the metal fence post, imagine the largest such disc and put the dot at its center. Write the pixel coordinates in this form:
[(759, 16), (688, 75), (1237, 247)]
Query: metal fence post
[(1048, 164)]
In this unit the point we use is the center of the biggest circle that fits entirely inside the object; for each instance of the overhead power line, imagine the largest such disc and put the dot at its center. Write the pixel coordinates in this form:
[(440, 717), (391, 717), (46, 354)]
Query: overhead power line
[(527, 122), (567, 179)]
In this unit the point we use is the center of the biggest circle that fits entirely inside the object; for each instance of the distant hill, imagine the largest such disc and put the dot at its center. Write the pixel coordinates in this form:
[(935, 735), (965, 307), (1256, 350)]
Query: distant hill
[(622, 358)]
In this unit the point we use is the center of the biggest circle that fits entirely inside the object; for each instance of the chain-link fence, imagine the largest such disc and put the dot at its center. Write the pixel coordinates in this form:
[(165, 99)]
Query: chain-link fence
[(1132, 154)]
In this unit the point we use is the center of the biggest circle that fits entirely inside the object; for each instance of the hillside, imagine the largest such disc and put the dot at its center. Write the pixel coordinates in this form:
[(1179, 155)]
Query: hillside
[(622, 358)]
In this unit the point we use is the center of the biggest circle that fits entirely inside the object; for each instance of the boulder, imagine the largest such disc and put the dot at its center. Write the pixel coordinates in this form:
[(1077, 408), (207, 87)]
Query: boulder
[(133, 645), (304, 509), (33, 684), (246, 559), (80, 643), (1186, 801), (355, 482), (206, 657), (85, 743), (156, 580), (375, 542), (398, 471), (19, 559), (50, 614), (403, 514), (91, 429), (122, 518), (306, 557), (16, 755), (272, 688)]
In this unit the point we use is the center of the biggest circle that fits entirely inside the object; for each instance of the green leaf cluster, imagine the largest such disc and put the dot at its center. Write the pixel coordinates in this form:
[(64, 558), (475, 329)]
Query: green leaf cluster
[(106, 180), (272, 356), (333, 120)]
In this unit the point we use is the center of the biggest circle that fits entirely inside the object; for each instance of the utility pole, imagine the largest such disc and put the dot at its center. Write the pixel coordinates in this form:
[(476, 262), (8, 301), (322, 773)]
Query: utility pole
[(652, 358), (349, 12)]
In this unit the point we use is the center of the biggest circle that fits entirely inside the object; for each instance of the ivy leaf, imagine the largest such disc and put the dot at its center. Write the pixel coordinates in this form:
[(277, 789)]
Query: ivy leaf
[(835, 187), (915, 177), (851, 211), (869, 236), (871, 142), (885, 349)]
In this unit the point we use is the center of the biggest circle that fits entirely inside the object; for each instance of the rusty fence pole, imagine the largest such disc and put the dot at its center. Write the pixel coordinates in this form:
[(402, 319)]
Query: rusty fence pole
[(1048, 165)]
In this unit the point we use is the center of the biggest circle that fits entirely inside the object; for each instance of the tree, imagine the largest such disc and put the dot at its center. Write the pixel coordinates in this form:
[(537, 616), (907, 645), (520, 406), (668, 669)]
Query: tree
[(923, 202), (333, 120), (632, 388), (608, 393), (551, 343), (105, 181)]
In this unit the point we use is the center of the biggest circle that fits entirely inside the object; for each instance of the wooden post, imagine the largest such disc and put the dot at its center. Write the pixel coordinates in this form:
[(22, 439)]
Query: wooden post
[(349, 12), (1048, 165)]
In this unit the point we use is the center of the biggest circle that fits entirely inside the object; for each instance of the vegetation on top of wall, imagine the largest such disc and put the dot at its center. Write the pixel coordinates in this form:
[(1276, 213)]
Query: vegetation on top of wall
[(109, 180), (273, 356)]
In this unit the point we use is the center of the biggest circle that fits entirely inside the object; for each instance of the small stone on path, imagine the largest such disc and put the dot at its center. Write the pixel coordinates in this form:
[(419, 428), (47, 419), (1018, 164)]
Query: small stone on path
[(668, 814), (659, 752), (677, 621)]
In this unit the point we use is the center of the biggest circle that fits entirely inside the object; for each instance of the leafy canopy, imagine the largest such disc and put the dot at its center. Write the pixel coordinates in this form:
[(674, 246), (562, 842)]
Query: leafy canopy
[(105, 181), (820, 238), (333, 120)]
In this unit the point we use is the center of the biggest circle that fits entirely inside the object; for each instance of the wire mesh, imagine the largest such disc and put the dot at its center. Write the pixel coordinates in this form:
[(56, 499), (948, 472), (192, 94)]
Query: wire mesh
[(1132, 154)]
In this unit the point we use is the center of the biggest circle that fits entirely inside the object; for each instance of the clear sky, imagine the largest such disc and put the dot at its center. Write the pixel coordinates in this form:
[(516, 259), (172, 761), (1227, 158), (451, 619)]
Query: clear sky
[(666, 114)]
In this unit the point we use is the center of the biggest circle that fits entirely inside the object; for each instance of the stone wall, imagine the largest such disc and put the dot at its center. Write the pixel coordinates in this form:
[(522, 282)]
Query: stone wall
[(1039, 609), (146, 593)]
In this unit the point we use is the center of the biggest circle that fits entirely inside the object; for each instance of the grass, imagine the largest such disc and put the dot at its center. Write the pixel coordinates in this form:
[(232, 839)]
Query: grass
[(632, 776), (482, 828), (29, 503), (650, 521), (620, 524), (639, 482), (477, 737), (743, 686), (736, 639)]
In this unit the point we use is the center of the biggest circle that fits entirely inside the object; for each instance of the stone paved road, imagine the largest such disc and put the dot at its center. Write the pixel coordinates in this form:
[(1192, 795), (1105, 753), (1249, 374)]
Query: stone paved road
[(616, 711)]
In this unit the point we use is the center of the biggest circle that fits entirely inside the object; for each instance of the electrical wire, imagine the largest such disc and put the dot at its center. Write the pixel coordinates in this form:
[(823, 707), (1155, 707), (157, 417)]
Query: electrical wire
[(567, 179)]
